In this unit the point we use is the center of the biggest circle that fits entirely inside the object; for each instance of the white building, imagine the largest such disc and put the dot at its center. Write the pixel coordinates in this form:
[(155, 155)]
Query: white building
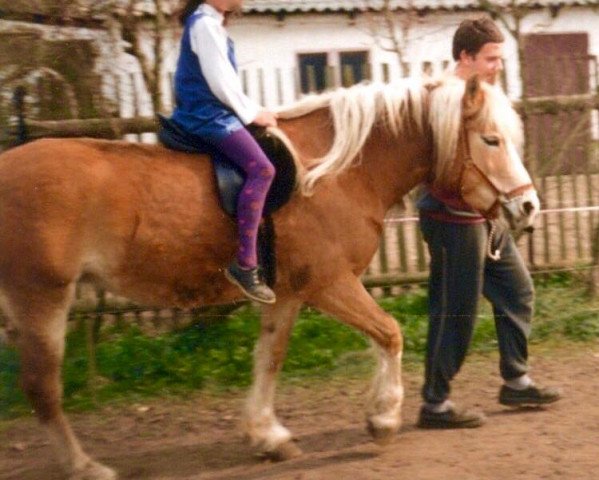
[(276, 38), (285, 47)]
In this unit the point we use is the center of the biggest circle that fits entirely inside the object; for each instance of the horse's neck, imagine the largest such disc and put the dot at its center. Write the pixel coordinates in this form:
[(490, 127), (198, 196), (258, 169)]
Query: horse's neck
[(311, 135), (395, 165), (390, 167)]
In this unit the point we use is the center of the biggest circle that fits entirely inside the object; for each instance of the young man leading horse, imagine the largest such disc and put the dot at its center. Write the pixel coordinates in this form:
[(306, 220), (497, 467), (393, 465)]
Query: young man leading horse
[(461, 269)]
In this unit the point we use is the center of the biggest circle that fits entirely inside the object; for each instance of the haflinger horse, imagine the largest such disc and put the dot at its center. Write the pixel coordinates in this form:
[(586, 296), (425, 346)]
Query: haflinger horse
[(145, 222)]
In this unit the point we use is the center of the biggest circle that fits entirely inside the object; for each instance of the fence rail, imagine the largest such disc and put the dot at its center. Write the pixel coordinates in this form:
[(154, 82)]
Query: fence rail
[(117, 127)]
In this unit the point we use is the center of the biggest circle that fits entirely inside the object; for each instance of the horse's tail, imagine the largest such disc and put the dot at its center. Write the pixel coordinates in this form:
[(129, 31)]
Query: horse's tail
[(267, 250)]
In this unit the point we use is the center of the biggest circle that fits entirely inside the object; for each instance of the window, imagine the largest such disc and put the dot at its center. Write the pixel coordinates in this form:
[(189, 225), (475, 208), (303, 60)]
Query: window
[(353, 67), (313, 69), (319, 71)]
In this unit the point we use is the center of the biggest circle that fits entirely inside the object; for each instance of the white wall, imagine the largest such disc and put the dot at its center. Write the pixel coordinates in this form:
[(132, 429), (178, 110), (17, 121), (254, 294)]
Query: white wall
[(267, 49), (264, 43)]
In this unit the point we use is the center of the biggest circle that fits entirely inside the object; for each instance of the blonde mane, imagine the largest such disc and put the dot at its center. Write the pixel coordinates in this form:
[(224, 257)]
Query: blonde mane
[(354, 112)]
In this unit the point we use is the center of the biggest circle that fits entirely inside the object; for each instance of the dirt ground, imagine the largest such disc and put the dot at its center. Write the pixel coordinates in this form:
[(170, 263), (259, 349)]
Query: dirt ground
[(197, 438)]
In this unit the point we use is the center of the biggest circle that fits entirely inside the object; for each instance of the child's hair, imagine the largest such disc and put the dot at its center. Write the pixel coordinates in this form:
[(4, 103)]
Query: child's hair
[(473, 33), (188, 9)]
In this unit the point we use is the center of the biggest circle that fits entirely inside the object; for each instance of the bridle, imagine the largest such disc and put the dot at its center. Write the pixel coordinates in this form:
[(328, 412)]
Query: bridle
[(503, 199)]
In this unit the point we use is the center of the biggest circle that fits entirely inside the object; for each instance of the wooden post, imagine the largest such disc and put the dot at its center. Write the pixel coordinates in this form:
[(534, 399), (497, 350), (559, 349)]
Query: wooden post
[(590, 200), (383, 260), (279, 80), (171, 89), (93, 324), (561, 218), (401, 240), (366, 71), (593, 280), (92, 366), (19, 105), (531, 251), (261, 87), (420, 249), (577, 228), (298, 83), (135, 102), (386, 74), (244, 82), (546, 253)]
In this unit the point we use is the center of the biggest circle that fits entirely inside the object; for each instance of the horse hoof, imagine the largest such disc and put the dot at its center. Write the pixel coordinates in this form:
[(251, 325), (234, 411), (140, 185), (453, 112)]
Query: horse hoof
[(285, 451), (94, 471), (381, 435)]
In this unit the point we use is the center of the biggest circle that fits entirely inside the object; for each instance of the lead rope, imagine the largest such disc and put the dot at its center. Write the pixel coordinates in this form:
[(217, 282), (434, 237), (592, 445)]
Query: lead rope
[(496, 255)]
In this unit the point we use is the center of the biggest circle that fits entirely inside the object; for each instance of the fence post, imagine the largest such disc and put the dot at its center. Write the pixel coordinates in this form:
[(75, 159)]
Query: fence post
[(594, 271), (19, 105), (92, 366)]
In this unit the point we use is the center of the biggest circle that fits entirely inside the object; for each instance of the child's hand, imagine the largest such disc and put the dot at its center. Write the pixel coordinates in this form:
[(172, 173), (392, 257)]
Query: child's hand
[(266, 118)]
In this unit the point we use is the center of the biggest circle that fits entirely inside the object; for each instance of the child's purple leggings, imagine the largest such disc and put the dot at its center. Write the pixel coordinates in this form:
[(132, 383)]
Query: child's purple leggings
[(241, 148)]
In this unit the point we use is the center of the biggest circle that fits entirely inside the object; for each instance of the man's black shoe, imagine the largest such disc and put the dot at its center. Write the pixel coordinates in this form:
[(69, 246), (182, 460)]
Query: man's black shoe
[(532, 395), (250, 283), (452, 418)]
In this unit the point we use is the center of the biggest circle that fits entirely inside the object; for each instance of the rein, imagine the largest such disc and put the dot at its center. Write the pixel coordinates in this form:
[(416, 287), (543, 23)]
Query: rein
[(492, 254)]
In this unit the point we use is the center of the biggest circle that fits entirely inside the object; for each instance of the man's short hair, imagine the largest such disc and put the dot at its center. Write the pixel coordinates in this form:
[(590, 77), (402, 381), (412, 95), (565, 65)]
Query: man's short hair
[(473, 33)]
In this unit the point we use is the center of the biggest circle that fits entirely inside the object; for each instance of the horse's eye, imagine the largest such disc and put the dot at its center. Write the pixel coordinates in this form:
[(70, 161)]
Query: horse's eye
[(491, 140)]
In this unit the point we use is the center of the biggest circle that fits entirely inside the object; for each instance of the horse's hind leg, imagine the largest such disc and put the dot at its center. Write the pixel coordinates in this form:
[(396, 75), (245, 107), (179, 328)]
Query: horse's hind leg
[(40, 316), (266, 433), (348, 301)]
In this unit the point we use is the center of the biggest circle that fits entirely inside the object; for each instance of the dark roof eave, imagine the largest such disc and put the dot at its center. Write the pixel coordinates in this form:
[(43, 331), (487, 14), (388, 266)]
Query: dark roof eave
[(422, 10)]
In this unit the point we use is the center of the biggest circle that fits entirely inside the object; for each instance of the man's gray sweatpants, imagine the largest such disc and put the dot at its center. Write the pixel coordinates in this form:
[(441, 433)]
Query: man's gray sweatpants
[(459, 273)]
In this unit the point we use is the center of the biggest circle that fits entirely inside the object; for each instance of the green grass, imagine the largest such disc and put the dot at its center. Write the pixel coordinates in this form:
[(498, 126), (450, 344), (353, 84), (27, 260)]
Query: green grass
[(132, 365)]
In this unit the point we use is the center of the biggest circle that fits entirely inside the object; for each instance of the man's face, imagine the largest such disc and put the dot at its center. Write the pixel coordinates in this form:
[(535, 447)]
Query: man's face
[(487, 63)]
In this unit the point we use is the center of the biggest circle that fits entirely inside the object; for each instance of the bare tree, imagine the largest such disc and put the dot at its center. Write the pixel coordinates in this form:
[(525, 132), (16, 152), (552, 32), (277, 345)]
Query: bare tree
[(141, 26), (134, 27), (391, 27)]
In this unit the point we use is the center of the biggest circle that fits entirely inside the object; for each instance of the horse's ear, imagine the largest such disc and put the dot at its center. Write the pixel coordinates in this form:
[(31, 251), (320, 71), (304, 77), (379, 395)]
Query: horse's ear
[(473, 97)]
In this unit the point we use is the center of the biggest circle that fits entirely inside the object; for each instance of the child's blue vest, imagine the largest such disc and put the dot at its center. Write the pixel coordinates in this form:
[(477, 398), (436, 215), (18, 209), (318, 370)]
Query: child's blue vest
[(198, 111)]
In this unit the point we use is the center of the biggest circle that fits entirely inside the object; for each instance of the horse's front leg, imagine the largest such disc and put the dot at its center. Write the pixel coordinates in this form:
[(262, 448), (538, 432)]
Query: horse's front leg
[(265, 431), (347, 300)]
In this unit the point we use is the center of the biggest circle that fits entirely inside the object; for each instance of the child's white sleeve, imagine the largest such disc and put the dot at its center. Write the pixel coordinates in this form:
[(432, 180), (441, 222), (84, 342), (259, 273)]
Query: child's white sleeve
[(209, 42)]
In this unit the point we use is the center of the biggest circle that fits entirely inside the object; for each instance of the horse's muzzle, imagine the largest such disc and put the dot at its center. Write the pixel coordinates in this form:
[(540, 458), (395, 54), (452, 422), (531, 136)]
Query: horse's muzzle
[(520, 211)]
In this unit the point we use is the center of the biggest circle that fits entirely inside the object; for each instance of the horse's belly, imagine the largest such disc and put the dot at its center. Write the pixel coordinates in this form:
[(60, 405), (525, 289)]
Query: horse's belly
[(182, 267)]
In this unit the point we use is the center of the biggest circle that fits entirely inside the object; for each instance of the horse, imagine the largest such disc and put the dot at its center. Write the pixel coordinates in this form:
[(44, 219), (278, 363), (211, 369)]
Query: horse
[(144, 222)]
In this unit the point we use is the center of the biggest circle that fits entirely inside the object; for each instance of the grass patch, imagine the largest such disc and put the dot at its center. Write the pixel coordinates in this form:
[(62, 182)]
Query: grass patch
[(132, 365)]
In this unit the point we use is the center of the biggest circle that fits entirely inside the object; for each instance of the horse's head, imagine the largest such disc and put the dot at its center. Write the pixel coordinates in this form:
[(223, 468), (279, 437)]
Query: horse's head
[(485, 166)]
